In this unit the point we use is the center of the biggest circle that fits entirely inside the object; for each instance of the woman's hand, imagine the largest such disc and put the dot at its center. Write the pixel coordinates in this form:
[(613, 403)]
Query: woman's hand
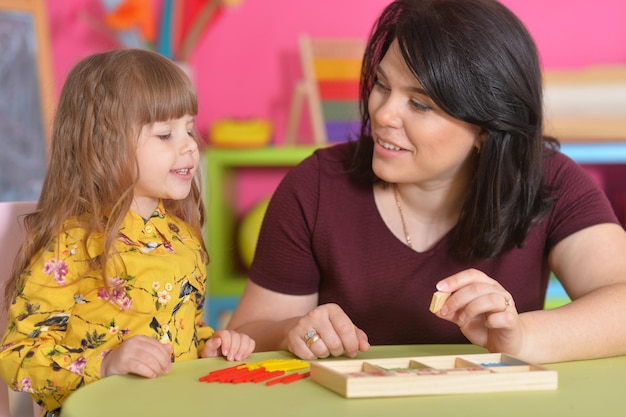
[(326, 331), (139, 355), (484, 311), (233, 345)]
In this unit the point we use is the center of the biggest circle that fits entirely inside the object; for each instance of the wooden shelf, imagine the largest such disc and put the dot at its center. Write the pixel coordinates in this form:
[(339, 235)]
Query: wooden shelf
[(587, 104)]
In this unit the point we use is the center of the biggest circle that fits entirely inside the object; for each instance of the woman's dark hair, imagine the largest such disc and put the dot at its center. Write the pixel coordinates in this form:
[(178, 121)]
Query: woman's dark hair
[(478, 63)]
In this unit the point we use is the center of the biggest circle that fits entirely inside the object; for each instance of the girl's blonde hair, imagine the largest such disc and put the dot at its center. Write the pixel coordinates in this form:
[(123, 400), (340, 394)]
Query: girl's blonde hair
[(106, 99)]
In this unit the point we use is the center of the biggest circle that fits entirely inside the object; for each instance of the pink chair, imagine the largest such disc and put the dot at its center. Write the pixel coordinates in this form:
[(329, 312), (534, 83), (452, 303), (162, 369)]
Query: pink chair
[(12, 404)]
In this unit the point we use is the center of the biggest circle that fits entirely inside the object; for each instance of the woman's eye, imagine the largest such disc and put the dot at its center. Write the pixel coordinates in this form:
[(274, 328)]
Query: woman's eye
[(164, 137), (419, 106), (379, 84)]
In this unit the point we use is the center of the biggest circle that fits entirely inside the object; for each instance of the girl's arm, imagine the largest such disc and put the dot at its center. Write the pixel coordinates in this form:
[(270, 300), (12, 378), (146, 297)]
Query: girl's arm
[(36, 355), (204, 331)]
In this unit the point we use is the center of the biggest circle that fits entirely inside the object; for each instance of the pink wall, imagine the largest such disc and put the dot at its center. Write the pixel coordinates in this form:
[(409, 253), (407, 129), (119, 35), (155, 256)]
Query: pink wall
[(247, 63)]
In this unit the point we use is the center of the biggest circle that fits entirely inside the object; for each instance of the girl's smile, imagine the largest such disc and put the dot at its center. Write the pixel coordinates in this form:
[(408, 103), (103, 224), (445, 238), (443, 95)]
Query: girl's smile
[(168, 158)]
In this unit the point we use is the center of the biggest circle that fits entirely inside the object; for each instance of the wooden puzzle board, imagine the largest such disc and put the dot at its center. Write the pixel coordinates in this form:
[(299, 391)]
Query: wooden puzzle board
[(431, 375)]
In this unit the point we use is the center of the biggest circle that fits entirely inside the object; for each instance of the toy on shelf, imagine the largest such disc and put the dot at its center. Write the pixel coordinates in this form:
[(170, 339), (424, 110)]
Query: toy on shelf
[(239, 133), (331, 69), (249, 229), (173, 29), (431, 375)]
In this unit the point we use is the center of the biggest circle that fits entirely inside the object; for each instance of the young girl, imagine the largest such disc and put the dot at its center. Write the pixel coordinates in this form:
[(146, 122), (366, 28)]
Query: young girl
[(111, 279)]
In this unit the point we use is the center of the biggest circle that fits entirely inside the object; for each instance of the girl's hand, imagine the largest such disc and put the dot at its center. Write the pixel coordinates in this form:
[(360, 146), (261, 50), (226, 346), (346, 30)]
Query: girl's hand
[(139, 355), (324, 331), (233, 345), (484, 311)]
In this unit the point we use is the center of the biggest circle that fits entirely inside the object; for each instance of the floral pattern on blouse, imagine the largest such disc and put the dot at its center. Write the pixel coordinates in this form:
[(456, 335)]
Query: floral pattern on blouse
[(64, 319)]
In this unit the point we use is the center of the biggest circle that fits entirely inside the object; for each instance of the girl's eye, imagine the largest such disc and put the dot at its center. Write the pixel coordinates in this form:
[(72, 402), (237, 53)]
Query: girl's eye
[(165, 136)]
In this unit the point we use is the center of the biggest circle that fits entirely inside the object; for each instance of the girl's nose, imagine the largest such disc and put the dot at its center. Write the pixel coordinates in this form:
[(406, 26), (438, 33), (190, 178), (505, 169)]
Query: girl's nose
[(190, 146)]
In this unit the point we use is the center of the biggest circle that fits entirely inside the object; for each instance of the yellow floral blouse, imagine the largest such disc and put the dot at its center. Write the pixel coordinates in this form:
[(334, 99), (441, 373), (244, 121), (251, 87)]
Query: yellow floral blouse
[(64, 321)]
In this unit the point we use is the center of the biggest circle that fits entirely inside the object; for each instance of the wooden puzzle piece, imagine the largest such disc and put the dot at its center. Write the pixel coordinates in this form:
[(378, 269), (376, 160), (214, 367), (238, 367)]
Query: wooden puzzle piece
[(439, 298)]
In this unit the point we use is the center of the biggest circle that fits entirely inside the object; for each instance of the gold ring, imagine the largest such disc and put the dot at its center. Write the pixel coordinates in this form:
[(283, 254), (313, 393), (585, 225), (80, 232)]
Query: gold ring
[(312, 339), (309, 335)]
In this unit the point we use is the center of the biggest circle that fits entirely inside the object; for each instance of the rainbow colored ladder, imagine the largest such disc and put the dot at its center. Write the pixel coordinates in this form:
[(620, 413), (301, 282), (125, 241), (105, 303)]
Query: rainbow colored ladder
[(331, 70)]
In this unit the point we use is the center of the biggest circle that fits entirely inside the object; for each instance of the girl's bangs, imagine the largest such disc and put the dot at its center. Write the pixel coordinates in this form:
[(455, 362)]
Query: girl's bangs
[(167, 95)]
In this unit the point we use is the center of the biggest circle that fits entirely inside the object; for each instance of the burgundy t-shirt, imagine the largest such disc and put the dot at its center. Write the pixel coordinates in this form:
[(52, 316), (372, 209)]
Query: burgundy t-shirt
[(323, 233)]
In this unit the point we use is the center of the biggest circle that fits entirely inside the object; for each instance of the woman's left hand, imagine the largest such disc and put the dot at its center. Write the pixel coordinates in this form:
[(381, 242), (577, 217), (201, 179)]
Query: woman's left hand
[(484, 311)]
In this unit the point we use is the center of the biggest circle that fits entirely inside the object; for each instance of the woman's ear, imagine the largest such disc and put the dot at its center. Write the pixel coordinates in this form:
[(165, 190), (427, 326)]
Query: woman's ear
[(480, 140)]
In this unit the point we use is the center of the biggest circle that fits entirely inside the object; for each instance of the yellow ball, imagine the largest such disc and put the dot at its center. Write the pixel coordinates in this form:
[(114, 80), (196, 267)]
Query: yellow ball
[(249, 231)]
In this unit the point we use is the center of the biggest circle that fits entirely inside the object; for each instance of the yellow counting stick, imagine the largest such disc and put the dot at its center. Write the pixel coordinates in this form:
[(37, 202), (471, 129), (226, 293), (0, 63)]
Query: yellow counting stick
[(439, 298), (279, 365)]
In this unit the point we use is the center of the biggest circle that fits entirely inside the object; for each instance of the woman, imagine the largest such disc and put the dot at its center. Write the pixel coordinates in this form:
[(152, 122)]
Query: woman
[(450, 187)]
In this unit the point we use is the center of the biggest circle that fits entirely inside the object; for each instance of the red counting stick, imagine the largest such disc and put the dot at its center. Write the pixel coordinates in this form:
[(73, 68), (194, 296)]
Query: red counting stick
[(267, 375), (220, 371), (224, 374), (248, 376), (288, 378), (296, 377)]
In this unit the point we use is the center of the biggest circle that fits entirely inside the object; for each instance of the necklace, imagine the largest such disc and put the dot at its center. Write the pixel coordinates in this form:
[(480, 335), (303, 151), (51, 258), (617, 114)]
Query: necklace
[(406, 232)]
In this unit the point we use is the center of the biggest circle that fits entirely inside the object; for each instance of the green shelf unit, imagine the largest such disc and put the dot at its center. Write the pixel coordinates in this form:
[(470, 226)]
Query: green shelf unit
[(226, 278)]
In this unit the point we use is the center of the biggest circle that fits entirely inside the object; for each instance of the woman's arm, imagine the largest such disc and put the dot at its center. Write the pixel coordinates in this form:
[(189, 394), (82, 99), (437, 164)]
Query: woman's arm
[(279, 322), (591, 265), (267, 316)]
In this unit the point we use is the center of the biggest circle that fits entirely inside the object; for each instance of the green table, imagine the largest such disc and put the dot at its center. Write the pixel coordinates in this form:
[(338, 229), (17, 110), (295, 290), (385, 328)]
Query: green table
[(586, 388)]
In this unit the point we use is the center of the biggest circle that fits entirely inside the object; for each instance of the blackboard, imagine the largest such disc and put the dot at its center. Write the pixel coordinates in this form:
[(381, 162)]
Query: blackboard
[(25, 98)]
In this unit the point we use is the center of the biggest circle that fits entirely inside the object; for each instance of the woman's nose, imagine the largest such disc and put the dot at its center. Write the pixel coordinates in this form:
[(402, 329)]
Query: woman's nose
[(387, 113)]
